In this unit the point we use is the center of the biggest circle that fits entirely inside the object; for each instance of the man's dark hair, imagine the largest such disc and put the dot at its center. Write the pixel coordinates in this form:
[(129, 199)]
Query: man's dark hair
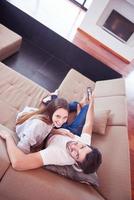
[(91, 162)]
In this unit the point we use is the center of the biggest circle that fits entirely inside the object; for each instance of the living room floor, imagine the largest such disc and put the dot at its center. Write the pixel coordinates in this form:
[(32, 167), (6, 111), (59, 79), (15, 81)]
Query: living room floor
[(38, 65)]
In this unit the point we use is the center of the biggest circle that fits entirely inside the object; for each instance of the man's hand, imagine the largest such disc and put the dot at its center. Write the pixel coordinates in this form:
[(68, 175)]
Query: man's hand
[(19, 160), (4, 134)]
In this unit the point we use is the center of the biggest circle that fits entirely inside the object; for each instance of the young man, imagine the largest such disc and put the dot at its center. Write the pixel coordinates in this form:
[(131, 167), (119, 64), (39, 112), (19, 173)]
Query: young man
[(60, 149)]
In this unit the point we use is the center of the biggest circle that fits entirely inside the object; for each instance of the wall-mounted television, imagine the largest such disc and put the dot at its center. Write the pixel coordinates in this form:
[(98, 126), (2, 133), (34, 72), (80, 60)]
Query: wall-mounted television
[(119, 26)]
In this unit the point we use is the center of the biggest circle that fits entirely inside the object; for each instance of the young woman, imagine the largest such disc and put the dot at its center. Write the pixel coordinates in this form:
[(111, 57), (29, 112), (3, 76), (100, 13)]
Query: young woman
[(80, 109), (33, 125)]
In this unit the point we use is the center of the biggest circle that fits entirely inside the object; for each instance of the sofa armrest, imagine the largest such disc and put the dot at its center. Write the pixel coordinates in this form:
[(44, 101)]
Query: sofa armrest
[(74, 85)]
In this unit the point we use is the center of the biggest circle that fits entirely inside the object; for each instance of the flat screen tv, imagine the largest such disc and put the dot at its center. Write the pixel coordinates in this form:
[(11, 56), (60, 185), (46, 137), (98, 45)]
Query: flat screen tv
[(119, 26)]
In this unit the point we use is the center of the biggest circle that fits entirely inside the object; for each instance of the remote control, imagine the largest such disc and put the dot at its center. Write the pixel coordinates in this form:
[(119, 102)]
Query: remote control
[(89, 92)]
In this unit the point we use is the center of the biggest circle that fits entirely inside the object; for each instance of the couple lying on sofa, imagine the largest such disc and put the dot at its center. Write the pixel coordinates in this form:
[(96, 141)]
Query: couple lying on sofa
[(62, 147)]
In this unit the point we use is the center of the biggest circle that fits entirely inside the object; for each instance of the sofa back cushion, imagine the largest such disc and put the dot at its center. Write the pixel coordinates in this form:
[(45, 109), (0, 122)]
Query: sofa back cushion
[(114, 87), (16, 91), (74, 85)]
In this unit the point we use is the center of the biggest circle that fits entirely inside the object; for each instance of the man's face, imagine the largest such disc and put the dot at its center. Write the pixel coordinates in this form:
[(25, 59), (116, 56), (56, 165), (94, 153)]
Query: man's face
[(77, 150), (59, 117)]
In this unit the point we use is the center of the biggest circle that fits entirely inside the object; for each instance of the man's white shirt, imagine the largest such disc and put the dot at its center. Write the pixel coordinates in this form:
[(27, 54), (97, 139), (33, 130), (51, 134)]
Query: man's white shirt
[(56, 153)]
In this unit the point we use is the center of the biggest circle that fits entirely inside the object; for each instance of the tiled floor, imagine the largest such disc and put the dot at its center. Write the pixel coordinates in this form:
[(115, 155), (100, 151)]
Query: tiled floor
[(61, 16), (38, 65)]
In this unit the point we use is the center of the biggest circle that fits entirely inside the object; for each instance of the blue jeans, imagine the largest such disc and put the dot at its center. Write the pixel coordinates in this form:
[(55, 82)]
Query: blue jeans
[(77, 125)]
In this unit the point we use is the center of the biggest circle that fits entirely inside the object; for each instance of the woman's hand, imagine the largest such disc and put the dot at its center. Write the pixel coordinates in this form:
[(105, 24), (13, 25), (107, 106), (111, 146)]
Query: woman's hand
[(67, 133), (91, 98), (62, 131)]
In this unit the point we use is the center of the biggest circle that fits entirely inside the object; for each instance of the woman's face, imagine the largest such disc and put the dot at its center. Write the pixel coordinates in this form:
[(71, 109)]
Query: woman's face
[(59, 117)]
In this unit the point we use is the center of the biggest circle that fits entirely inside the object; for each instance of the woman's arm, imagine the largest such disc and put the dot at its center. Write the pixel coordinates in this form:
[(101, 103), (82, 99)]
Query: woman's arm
[(88, 126), (62, 131), (19, 160)]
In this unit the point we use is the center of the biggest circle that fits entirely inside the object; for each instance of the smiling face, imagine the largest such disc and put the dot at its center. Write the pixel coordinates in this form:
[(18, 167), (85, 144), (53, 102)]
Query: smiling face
[(77, 150), (59, 117)]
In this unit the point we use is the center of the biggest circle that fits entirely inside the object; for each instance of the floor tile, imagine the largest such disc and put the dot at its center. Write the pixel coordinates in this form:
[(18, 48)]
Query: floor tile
[(28, 60), (41, 67)]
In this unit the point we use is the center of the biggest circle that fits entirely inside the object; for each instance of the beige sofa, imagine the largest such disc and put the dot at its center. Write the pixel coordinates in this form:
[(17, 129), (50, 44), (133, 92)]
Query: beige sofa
[(16, 91)]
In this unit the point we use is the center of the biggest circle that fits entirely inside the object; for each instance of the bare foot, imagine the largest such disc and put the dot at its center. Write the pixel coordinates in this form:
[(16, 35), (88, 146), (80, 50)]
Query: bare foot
[(51, 96)]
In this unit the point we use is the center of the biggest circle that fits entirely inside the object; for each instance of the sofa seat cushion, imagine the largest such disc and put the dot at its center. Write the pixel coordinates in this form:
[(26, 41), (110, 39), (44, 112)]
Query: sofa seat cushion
[(114, 87), (117, 107), (16, 92), (42, 184), (74, 85), (114, 171), (10, 42)]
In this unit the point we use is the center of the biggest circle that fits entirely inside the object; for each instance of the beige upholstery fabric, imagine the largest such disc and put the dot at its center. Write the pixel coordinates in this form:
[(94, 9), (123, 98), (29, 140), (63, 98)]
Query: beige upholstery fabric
[(112, 87), (114, 172), (42, 184), (117, 106), (9, 43), (74, 85), (4, 159), (16, 91), (100, 121)]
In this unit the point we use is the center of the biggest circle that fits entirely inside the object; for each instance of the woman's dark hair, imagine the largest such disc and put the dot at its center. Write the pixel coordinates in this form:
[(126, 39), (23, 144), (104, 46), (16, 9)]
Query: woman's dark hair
[(91, 162), (55, 105), (45, 114)]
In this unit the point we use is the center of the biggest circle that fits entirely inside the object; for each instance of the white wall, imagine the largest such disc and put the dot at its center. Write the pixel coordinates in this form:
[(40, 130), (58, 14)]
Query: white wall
[(95, 17)]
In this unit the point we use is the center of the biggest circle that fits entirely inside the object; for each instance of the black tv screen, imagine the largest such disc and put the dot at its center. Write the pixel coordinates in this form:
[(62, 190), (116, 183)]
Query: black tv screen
[(119, 26)]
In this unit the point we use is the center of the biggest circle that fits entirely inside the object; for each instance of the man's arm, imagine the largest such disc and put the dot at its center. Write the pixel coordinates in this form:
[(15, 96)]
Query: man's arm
[(19, 160), (88, 126)]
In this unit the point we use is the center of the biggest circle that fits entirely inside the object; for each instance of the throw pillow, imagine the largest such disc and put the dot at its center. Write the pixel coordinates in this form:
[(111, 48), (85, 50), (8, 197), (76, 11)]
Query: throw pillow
[(70, 172), (100, 121)]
